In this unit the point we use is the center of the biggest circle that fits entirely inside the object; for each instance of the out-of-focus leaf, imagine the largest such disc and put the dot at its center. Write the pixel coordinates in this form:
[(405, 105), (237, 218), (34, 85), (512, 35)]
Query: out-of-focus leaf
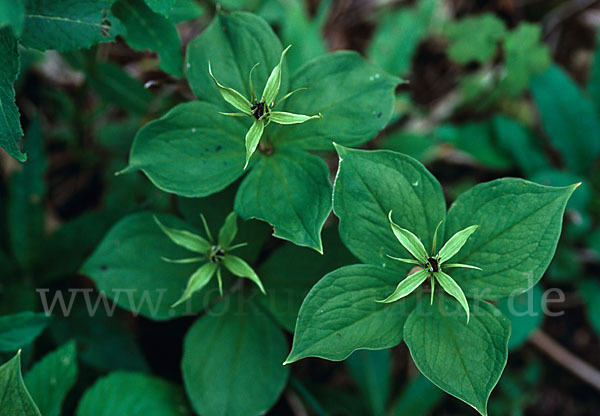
[(12, 14), (568, 118), (25, 208), (590, 291), (474, 38), (50, 379), (594, 83), (419, 146), (16, 331), (149, 30), (68, 24), (371, 371), (116, 86), (163, 7), (525, 313), (10, 126), (184, 10), (398, 35), (418, 398)]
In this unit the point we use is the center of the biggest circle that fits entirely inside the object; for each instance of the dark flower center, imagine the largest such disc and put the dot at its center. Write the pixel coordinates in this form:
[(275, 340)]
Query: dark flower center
[(433, 265), (259, 109), (216, 254)]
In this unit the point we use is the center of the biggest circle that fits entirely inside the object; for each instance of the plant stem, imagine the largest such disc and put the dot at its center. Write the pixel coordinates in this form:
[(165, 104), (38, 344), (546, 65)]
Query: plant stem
[(565, 358)]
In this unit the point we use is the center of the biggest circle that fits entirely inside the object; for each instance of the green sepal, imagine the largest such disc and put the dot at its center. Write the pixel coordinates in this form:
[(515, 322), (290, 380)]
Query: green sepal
[(252, 138), (455, 243), (452, 288), (184, 261), (184, 238), (409, 261), (197, 281), (281, 117), (240, 268), (407, 286), (409, 241), (228, 231), (232, 96), (274, 82)]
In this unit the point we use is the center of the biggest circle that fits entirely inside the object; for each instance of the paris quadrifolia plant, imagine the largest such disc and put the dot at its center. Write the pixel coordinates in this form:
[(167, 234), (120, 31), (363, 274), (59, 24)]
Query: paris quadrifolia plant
[(213, 253), (429, 266), (261, 110)]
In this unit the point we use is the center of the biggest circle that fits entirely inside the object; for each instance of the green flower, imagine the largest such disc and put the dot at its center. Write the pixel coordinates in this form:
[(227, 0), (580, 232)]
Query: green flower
[(213, 253), (431, 265), (260, 110)]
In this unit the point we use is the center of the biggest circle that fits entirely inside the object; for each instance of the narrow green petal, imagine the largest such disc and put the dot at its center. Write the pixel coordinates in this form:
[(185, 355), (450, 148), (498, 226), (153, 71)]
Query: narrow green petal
[(220, 281), (232, 96), (409, 261), (184, 261), (274, 82), (409, 241), (452, 288), (206, 229), (432, 291), (407, 286), (288, 95), (434, 245), (235, 114), (228, 231), (197, 281), (240, 268), (240, 245), (455, 243), (251, 84), (281, 117), (184, 238), (252, 138), (464, 266)]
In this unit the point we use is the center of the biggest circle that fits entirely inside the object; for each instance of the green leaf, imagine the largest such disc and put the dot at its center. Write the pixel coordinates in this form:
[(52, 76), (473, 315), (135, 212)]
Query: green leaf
[(228, 231), (232, 96), (10, 127), (19, 330), (197, 281), (246, 349), (290, 273), (51, 378), (465, 360), (409, 241), (398, 34), (418, 398), (128, 268), (233, 43), (12, 14), (184, 10), (289, 189), (594, 76), (371, 184), (15, 399), (163, 7), (253, 138), (340, 314), (240, 268), (568, 118), (185, 239), (26, 203), (450, 286), (351, 116), (519, 226), (455, 243), (281, 117), (407, 286), (149, 30), (464, 47), (525, 313), (371, 371), (273, 82), (67, 25), (214, 152), (132, 394)]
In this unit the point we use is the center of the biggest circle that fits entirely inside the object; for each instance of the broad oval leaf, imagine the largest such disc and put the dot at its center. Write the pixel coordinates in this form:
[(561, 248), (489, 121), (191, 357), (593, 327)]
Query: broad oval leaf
[(191, 151), (132, 394), (50, 379), (18, 330), (232, 360), (340, 314), (519, 226), (370, 184), (351, 116), (233, 43), (465, 360), (128, 267), (289, 189), (15, 399)]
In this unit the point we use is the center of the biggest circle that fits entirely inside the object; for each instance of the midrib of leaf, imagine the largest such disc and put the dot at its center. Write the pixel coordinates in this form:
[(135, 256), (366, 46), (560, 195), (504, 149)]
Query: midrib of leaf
[(64, 19)]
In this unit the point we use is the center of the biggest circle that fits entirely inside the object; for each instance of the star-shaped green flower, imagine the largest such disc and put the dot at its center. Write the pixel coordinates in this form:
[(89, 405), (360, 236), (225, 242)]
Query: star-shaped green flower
[(431, 265), (261, 110), (214, 253)]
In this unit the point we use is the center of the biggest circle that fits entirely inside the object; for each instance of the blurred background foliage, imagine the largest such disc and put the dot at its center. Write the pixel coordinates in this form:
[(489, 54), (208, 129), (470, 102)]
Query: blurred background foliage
[(493, 89)]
